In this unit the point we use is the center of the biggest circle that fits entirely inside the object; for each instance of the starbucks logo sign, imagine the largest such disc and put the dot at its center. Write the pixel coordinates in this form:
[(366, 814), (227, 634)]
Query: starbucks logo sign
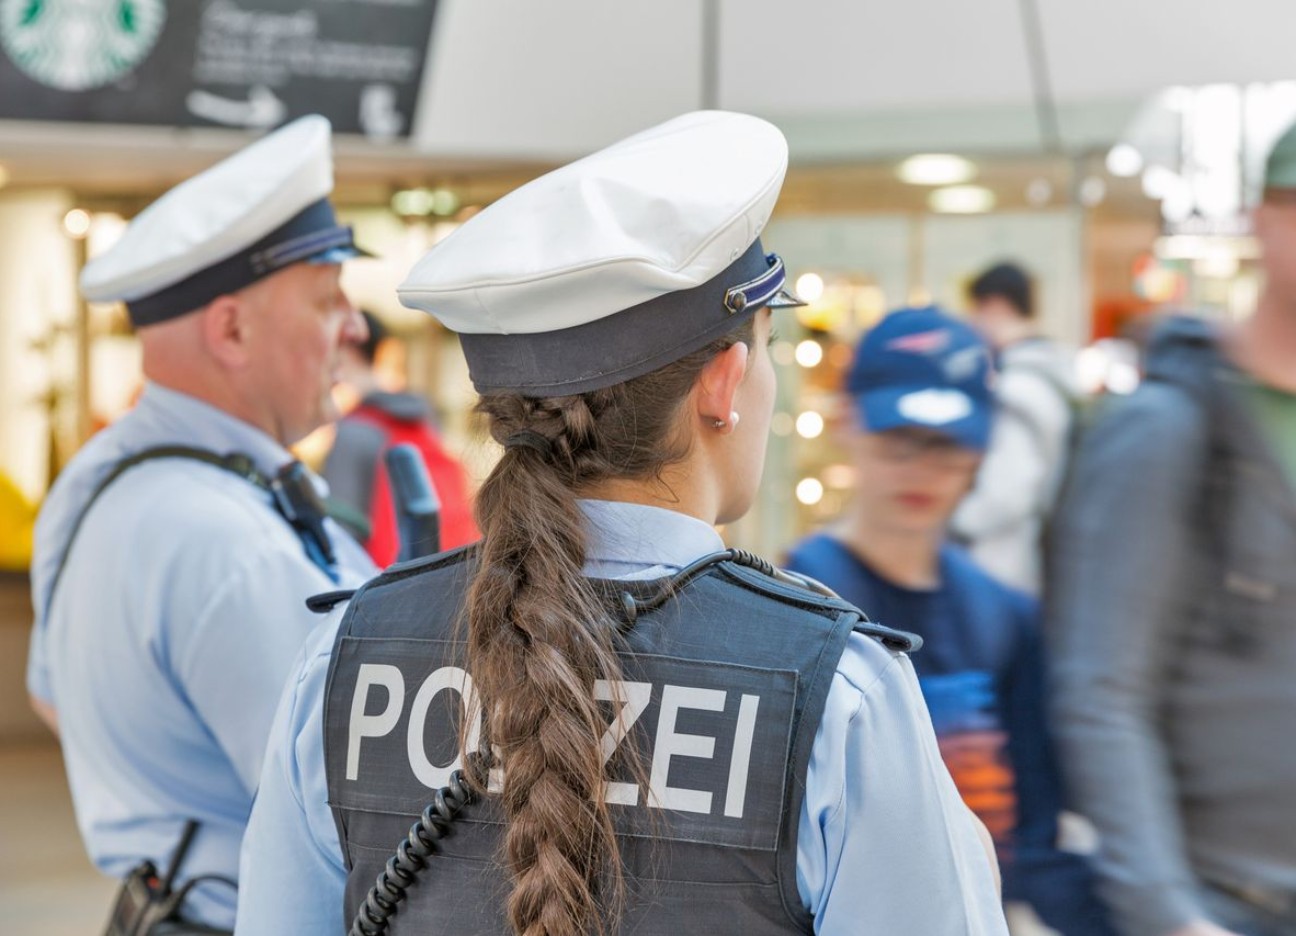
[(74, 45)]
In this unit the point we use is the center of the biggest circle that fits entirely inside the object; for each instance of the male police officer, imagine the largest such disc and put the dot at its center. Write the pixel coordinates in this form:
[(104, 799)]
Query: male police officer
[(175, 552)]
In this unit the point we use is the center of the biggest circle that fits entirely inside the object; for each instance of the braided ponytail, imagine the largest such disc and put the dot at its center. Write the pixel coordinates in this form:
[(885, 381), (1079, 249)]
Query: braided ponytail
[(539, 638)]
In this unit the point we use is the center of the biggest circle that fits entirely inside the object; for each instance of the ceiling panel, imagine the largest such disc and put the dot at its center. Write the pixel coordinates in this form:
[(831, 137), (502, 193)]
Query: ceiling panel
[(837, 55), (554, 78), (1121, 49)]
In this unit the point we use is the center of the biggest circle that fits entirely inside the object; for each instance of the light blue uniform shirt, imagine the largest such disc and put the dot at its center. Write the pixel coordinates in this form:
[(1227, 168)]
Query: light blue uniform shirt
[(178, 618), (885, 844)]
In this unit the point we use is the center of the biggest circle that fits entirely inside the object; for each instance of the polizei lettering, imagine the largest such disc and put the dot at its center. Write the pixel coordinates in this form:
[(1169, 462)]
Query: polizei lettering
[(700, 738)]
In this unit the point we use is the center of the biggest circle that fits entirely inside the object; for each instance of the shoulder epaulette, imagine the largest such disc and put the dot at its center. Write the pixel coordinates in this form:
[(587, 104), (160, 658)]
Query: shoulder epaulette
[(325, 602)]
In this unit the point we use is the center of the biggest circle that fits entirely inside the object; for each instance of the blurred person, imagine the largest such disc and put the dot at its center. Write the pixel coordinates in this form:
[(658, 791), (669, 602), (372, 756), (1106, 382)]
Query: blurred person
[(920, 388), (1002, 520), (1173, 616), (355, 470), (789, 780), (176, 550)]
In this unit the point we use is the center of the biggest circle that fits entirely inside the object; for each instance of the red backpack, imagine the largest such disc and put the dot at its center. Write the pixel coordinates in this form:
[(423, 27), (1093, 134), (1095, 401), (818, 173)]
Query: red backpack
[(448, 477)]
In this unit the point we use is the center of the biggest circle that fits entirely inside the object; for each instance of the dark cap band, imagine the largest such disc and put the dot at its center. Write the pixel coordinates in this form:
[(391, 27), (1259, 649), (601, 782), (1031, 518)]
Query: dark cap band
[(630, 343), (310, 233)]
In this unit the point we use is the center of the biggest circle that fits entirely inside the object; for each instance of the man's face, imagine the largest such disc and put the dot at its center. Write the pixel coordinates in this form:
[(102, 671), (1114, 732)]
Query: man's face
[(911, 479), (1275, 224), (301, 320), (991, 315)]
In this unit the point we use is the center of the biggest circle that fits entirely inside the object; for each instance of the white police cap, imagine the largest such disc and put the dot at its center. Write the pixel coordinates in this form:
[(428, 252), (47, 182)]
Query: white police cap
[(255, 213), (617, 264)]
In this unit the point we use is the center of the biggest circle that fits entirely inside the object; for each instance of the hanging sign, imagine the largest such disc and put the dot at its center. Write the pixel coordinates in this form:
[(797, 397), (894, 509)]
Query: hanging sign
[(250, 64)]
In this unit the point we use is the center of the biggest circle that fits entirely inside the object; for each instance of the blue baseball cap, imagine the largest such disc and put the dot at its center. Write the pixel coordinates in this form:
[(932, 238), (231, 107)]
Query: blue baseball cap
[(925, 369)]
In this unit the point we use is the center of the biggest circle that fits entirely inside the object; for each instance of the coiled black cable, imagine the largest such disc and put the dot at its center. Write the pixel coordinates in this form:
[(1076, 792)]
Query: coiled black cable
[(411, 857)]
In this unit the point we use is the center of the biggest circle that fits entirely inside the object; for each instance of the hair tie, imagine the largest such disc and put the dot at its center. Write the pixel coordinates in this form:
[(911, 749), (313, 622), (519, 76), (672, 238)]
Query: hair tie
[(529, 438)]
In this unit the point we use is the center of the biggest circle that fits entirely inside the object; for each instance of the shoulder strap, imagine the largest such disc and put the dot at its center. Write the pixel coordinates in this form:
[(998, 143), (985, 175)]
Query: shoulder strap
[(236, 463)]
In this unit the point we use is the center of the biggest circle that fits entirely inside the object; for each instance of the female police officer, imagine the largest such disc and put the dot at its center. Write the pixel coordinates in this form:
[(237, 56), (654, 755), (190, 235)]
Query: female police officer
[(599, 718)]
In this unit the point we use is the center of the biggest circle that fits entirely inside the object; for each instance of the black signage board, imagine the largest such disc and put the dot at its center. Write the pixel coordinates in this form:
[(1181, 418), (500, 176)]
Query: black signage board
[(228, 63)]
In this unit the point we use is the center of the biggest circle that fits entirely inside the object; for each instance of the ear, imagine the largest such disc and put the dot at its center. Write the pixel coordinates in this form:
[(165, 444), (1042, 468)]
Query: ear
[(718, 383), (227, 330)]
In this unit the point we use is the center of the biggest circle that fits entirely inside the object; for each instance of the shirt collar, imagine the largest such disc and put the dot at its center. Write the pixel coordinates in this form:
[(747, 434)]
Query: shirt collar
[(638, 541)]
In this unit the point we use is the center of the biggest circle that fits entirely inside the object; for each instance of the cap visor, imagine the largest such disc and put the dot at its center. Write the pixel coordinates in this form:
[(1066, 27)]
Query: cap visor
[(883, 410), (338, 255), (783, 299)]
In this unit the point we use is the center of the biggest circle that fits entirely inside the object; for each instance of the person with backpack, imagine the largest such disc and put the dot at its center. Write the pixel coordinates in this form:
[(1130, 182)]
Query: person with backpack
[(920, 389), (1002, 521), (1174, 617), (355, 470)]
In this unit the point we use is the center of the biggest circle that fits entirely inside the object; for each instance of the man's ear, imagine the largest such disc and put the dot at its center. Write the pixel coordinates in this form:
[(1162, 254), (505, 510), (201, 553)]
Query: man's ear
[(227, 330), (718, 383)]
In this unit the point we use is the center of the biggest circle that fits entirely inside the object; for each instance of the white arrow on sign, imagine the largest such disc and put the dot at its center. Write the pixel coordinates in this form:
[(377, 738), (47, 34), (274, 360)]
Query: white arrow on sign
[(261, 110)]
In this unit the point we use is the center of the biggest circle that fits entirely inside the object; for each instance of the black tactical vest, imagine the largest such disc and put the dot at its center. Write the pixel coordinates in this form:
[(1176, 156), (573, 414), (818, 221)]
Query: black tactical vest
[(724, 685)]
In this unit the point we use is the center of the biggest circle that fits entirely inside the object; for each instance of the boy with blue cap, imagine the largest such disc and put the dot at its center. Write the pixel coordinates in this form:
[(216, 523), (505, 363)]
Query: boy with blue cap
[(921, 389), (175, 552)]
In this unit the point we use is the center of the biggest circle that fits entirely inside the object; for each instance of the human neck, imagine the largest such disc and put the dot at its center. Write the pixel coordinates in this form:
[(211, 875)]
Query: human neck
[(196, 382), (904, 558), (1011, 331), (672, 491), (1265, 344)]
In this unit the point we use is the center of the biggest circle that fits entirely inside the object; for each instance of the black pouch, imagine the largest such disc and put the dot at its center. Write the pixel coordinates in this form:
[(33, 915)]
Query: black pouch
[(148, 905)]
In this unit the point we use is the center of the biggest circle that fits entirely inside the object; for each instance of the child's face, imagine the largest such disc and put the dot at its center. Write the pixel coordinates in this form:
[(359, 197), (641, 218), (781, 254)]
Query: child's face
[(911, 480)]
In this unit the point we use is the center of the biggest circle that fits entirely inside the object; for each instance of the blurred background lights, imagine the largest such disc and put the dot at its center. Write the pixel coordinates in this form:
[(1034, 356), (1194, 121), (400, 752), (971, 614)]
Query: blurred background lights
[(444, 202), (106, 228), (839, 476), (1221, 264), (77, 223), (810, 286), (782, 424), (809, 425), (809, 491), (1039, 191), (412, 202), (1122, 378), (1110, 364), (418, 202), (1124, 161), (1091, 368), (936, 169), (961, 199), (1159, 182), (1178, 204), (1092, 191), (809, 353)]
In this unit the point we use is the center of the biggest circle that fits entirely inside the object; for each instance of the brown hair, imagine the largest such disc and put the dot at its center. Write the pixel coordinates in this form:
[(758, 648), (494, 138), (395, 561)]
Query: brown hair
[(538, 637)]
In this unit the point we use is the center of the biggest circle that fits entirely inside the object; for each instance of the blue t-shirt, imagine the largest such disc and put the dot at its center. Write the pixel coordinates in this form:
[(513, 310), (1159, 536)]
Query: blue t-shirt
[(981, 670)]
